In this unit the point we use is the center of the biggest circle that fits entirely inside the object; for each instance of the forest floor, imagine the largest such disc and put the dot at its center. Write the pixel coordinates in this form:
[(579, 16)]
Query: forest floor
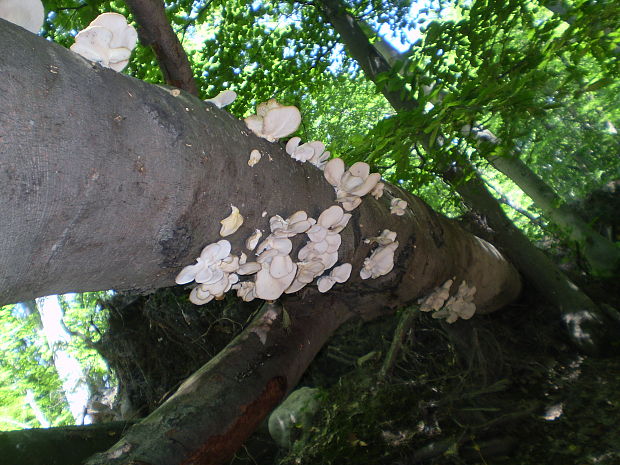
[(506, 388)]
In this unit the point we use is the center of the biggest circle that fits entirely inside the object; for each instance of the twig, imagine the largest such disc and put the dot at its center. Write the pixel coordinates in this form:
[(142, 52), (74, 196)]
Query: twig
[(404, 325)]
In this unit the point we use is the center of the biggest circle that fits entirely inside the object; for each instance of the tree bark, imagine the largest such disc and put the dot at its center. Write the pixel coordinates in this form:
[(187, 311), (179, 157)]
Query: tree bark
[(155, 31), (588, 326), (66, 445)]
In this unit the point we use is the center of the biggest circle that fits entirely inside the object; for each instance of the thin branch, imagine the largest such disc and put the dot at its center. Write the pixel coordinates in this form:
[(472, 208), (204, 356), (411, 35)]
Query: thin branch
[(155, 31)]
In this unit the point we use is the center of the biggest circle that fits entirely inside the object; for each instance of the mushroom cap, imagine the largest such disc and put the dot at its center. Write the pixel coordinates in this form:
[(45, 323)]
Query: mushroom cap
[(225, 97), (216, 251), (341, 273), (255, 157), (377, 191), (352, 205), (255, 124), (334, 169), (231, 223), (330, 216), (360, 169), (280, 122), (365, 187), (28, 14), (268, 287), (292, 145), (199, 296), (325, 283), (249, 268), (93, 43), (252, 241), (187, 274), (123, 34), (264, 107)]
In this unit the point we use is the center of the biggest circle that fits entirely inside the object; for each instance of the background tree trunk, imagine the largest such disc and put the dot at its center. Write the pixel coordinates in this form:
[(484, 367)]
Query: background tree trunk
[(588, 327)]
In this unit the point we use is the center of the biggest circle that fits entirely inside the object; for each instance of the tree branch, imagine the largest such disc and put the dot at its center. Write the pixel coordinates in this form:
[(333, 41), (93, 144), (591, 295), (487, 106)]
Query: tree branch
[(155, 31)]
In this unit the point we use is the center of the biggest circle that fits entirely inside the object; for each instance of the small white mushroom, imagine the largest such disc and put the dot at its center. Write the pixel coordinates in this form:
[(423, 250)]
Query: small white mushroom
[(435, 300), (377, 191), (252, 241), (28, 14), (226, 97), (249, 268), (231, 223), (380, 262), (273, 121), (254, 157), (298, 152), (398, 206), (386, 237), (338, 275), (352, 184), (245, 290), (108, 40)]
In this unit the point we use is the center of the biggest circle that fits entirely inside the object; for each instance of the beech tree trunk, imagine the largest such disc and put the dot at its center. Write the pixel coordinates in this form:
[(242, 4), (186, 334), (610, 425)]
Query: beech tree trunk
[(588, 327), (109, 182), (602, 255)]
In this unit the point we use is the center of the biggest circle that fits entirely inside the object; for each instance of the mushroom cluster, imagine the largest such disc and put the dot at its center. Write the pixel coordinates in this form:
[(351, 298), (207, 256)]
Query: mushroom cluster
[(108, 40), (226, 97), (321, 251), (28, 14), (313, 152), (435, 300), (460, 305), (350, 184), (213, 271), (273, 121), (398, 206), (339, 274), (381, 260)]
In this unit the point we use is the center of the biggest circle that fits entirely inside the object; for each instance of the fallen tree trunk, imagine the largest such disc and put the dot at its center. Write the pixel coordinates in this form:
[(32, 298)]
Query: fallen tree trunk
[(109, 182), (66, 445)]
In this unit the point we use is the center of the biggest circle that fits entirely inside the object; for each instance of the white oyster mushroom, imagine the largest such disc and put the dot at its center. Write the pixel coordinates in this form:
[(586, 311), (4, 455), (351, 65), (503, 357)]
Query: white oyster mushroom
[(352, 184), (255, 157), (338, 275), (273, 120), (207, 268), (459, 306), (273, 246), (380, 262), (301, 153), (271, 283), (435, 300), (28, 14), (386, 237), (199, 296), (252, 241), (398, 206), (295, 224), (231, 223), (245, 290), (226, 97), (377, 191), (306, 272), (249, 268), (108, 40)]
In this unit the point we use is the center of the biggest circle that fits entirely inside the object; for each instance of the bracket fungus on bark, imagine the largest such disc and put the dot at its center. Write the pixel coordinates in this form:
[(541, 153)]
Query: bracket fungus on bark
[(377, 191), (381, 260), (108, 40), (226, 97), (460, 305), (313, 152), (28, 14), (350, 184), (273, 120), (398, 206), (231, 223), (338, 274)]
